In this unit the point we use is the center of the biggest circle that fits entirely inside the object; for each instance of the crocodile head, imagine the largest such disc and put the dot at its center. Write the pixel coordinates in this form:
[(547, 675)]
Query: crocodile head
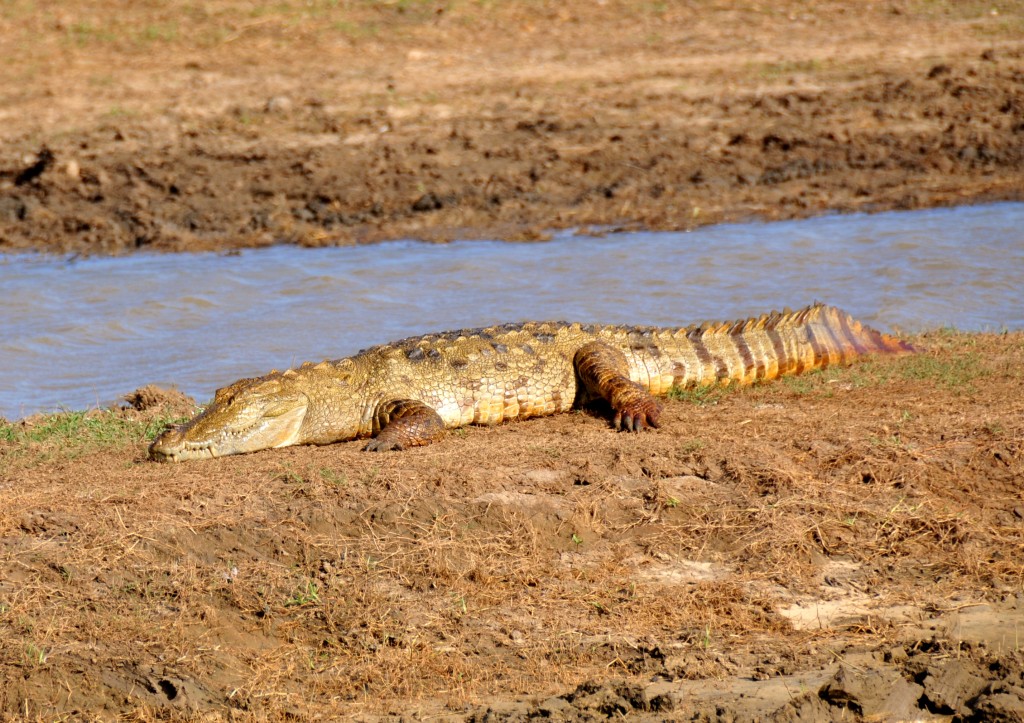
[(249, 415)]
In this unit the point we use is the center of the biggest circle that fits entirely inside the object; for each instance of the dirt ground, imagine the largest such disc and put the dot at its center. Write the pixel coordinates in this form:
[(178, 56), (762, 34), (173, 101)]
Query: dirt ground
[(844, 545), (228, 123)]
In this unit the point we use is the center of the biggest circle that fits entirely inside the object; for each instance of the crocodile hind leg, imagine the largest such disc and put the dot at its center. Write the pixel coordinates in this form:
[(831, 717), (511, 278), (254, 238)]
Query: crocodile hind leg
[(604, 372), (404, 423)]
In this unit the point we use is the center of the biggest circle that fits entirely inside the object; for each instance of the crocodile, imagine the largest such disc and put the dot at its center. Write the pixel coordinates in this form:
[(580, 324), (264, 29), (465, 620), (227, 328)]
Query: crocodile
[(407, 393)]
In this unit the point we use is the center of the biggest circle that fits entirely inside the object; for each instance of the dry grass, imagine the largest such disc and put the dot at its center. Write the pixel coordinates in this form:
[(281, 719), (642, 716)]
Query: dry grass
[(308, 581)]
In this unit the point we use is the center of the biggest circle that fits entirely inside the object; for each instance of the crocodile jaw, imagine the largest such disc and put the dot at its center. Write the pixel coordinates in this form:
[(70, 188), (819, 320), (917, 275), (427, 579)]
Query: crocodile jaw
[(209, 435)]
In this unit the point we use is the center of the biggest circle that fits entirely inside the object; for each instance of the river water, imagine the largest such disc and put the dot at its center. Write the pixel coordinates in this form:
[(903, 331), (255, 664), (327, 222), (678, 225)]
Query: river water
[(80, 333)]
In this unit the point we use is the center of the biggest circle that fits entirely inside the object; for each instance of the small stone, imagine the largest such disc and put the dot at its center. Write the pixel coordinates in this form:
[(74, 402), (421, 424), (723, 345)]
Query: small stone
[(72, 169), (543, 476), (279, 104), (896, 655)]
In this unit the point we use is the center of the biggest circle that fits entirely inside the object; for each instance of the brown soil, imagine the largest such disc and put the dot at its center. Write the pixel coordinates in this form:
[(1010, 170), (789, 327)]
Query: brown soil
[(325, 122), (843, 545)]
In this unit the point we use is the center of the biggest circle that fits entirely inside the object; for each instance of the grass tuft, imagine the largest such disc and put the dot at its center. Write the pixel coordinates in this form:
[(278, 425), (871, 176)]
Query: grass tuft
[(955, 373), (76, 432)]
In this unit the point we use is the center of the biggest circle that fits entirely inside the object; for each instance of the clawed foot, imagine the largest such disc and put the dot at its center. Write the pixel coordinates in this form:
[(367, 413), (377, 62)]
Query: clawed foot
[(404, 423), (637, 414)]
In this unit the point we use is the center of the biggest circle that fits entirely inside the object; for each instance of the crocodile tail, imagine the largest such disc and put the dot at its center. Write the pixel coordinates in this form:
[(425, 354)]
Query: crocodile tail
[(836, 337), (776, 344)]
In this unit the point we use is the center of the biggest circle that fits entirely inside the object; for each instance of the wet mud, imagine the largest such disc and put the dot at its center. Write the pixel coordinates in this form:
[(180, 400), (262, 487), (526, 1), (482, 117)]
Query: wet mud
[(434, 136)]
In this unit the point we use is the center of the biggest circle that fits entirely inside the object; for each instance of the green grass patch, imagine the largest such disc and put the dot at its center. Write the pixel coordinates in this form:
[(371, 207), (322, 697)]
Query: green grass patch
[(957, 373), (83, 431), (158, 32), (804, 383), (862, 373), (956, 370), (356, 30), (701, 396), (308, 594), (17, 9), (331, 477), (691, 445), (117, 111), (86, 33)]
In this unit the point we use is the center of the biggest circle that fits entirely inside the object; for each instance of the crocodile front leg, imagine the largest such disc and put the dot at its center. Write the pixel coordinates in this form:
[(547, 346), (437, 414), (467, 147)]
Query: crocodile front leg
[(404, 423), (604, 372)]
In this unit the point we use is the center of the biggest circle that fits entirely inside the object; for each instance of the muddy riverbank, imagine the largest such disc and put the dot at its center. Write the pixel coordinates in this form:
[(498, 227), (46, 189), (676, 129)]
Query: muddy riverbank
[(327, 123)]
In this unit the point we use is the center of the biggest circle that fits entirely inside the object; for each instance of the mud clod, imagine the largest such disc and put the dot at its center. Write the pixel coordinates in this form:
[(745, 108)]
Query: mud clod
[(154, 398), (875, 694), (953, 687)]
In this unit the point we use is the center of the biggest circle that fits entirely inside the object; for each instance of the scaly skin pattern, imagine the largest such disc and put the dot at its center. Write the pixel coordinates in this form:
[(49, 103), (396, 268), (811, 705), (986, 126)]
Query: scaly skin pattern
[(406, 394)]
